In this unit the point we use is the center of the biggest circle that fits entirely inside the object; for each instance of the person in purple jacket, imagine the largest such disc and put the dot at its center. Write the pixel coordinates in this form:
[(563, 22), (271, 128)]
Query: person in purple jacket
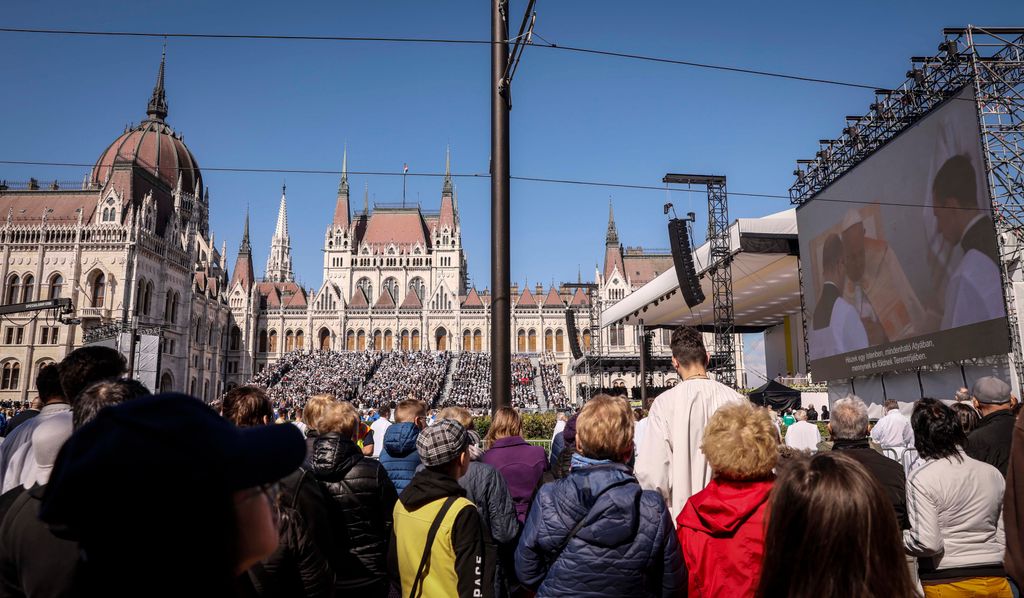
[(521, 464)]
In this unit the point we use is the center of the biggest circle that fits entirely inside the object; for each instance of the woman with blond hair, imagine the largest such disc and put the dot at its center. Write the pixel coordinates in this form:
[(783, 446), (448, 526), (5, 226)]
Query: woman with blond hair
[(521, 464), (596, 532), (721, 528), (362, 501)]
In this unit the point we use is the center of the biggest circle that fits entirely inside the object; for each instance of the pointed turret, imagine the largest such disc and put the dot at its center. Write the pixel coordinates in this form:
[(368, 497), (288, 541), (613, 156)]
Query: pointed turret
[(157, 108), (446, 190), (342, 217), (366, 199), (279, 262), (612, 236), (243, 271), (612, 249), (447, 217)]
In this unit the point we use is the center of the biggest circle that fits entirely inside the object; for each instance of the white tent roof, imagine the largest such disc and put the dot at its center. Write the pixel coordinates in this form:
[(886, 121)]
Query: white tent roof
[(766, 283)]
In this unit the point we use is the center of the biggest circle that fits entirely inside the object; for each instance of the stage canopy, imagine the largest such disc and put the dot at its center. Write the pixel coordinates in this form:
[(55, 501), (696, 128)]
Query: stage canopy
[(766, 284)]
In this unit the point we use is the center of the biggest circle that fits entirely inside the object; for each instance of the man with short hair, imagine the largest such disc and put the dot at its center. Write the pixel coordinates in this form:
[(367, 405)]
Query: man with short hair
[(893, 430), (802, 435), (14, 452), (849, 430), (963, 395), (669, 459), (438, 546), (990, 440), (380, 427)]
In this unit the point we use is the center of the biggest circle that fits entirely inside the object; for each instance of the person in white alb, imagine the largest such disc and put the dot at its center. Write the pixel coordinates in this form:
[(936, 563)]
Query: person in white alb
[(378, 428), (893, 430), (803, 435), (669, 458)]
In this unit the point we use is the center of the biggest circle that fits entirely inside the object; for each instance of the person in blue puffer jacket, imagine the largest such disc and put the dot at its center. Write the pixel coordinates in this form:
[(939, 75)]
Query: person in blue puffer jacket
[(596, 532), (399, 456)]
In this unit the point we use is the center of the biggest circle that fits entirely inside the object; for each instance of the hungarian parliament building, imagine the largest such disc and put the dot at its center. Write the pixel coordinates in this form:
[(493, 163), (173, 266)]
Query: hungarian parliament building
[(130, 245)]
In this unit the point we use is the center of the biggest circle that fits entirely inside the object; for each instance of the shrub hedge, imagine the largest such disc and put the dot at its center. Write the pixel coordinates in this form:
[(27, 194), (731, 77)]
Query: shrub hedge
[(537, 426)]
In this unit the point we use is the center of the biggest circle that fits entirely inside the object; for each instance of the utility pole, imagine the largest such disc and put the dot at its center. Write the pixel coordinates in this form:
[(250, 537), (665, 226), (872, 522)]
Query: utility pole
[(501, 316)]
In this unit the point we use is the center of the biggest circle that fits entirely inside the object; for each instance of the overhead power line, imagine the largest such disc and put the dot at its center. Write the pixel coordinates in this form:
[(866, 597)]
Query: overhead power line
[(443, 41), (472, 175)]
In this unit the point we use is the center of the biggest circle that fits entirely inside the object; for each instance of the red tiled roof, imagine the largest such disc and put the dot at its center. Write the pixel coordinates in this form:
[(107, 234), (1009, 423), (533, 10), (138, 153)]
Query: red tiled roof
[(526, 299), (579, 298), (291, 294), (447, 217), (473, 299), (385, 301), (613, 259), (553, 300), (29, 205), (401, 226), (358, 300), (341, 213), (412, 301), (153, 146), (642, 269)]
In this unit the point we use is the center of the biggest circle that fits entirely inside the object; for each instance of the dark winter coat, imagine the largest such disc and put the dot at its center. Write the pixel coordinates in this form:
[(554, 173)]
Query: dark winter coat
[(33, 561), (297, 567), (301, 492), (488, 491), (888, 473), (363, 499), (399, 456), (626, 545), (522, 466), (990, 440)]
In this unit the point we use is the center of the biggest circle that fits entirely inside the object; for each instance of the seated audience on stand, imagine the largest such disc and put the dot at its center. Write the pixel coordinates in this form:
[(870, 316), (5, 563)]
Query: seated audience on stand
[(597, 532), (955, 506), (818, 509)]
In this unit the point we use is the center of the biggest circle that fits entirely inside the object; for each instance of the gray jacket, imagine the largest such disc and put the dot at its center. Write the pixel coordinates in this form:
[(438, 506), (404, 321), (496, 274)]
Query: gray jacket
[(488, 491), (955, 511)]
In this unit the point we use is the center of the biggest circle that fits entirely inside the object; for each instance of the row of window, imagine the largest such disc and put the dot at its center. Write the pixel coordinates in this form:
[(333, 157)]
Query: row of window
[(391, 287), (10, 373), (21, 289), (15, 335)]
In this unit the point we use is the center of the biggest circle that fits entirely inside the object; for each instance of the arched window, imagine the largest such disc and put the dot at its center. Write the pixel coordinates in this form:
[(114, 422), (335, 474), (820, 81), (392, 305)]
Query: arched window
[(99, 290), (478, 341), (586, 341), (272, 341), (405, 340), (147, 298), (300, 341), (366, 286), (533, 341), (56, 286), (549, 341), (350, 341), (262, 345), (389, 341), (289, 341), (140, 289), (13, 289), (192, 387), (416, 286), (391, 287), (521, 341), (378, 340), (361, 340), (441, 339), (467, 340), (28, 285), (325, 339), (415, 340), (559, 341), (174, 307), (10, 376), (235, 341), (166, 382)]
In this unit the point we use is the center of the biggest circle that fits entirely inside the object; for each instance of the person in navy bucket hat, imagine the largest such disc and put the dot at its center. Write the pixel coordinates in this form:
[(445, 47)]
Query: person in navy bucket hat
[(167, 498)]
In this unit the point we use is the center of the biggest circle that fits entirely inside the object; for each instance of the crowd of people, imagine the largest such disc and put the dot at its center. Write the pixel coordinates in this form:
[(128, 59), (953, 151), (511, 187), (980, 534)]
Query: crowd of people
[(524, 393), (404, 374), (299, 375), (109, 491), (551, 381), (471, 382)]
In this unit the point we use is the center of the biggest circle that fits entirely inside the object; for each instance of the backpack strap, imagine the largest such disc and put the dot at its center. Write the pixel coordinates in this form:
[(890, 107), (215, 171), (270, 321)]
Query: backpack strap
[(417, 584)]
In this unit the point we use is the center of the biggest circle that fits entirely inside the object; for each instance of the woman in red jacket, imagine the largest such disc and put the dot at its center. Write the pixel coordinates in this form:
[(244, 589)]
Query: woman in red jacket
[(721, 528)]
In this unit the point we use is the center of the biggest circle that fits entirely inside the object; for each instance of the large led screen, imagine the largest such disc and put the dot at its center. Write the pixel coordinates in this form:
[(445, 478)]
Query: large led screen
[(901, 263)]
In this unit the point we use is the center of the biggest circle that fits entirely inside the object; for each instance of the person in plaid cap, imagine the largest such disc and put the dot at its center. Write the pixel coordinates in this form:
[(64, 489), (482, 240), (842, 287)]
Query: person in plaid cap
[(439, 545)]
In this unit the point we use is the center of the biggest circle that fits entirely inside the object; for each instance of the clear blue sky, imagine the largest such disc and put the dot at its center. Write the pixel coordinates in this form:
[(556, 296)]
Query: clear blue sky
[(294, 105)]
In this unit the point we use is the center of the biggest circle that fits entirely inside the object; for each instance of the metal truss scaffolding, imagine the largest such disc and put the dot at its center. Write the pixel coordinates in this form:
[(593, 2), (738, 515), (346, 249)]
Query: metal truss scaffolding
[(720, 270), (991, 60)]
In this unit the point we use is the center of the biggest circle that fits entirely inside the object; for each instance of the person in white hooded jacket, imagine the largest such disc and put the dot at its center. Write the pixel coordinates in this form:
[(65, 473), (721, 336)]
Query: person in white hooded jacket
[(954, 504)]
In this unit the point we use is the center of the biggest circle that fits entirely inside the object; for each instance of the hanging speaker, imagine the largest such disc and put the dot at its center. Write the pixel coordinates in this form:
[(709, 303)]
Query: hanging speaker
[(686, 274), (574, 339)]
